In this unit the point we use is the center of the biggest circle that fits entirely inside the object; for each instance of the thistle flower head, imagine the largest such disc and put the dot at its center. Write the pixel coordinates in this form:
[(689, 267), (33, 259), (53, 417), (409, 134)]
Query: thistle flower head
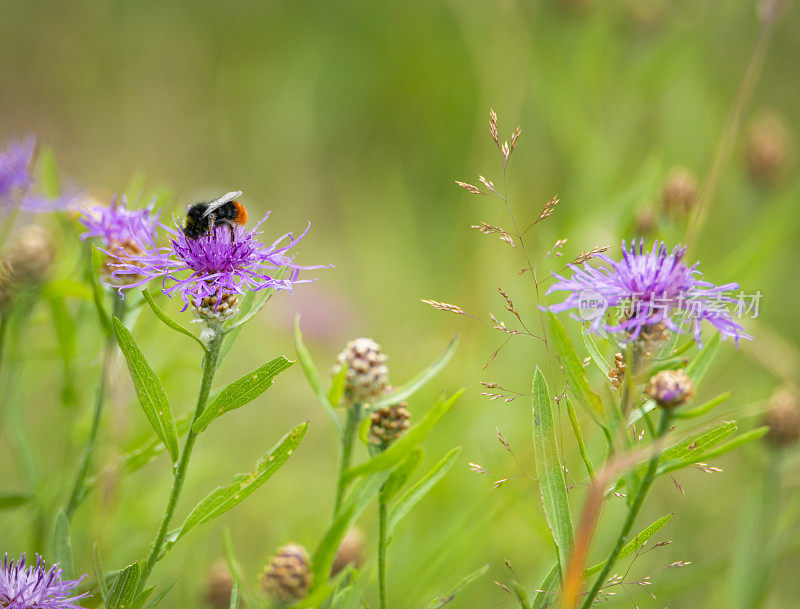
[(35, 587), (670, 388), (387, 424), (116, 224), (287, 578), (652, 287), (224, 261), (30, 255), (17, 184), (367, 376)]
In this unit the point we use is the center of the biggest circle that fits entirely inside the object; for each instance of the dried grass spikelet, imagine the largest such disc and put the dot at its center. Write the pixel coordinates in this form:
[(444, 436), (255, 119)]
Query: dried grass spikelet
[(617, 372), (767, 148), (367, 374), (783, 419), (350, 552), (670, 388), (30, 255), (387, 424), (287, 576), (679, 194), (219, 585)]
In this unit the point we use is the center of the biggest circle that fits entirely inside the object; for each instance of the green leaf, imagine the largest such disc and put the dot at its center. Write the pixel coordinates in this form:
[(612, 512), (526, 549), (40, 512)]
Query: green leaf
[(552, 485), (441, 601), (99, 572), (97, 291), (576, 429), (62, 544), (415, 384), (148, 388), (412, 496), (47, 172), (700, 365), (597, 357), (250, 307), (223, 499), (574, 370), (142, 597), (634, 544), (336, 392), (399, 449), (122, 591), (713, 453), (233, 567), (704, 409), (168, 321), (160, 597), (10, 500), (548, 590), (228, 341), (242, 391), (401, 474), (696, 444), (312, 374)]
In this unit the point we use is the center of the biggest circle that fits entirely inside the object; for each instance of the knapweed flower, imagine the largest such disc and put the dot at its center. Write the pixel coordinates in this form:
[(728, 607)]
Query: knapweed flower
[(649, 287), (120, 230), (224, 262), (17, 184), (35, 587)]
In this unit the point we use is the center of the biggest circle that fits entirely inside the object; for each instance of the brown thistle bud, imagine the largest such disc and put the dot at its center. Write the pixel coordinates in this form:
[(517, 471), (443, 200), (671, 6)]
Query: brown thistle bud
[(388, 424), (680, 192), (122, 252), (670, 388), (645, 221), (213, 308), (783, 419), (30, 256), (219, 585), (767, 148), (350, 552), (287, 577), (617, 372), (653, 336), (367, 373)]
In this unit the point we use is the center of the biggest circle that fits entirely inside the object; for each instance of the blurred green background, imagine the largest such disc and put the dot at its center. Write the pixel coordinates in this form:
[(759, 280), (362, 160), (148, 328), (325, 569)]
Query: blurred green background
[(358, 116)]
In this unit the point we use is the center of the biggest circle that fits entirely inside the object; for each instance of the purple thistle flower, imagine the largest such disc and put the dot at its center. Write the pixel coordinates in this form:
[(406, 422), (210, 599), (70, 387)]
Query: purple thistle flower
[(224, 261), (651, 287), (35, 587), (17, 183), (117, 224)]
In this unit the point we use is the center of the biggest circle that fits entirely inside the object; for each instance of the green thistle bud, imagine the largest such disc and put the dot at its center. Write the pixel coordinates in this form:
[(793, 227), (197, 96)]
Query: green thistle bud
[(670, 388), (287, 576)]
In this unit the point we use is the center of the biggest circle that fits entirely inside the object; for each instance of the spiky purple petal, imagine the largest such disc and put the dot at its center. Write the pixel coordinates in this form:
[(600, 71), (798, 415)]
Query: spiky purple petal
[(36, 587)]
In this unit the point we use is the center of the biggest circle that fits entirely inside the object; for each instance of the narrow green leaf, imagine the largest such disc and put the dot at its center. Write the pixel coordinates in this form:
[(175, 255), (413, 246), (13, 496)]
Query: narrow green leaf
[(314, 379), (597, 357), (697, 443), (251, 307), (160, 597), (336, 392), (634, 544), (233, 567), (441, 601), (699, 366), (704, 409), (415, 384), (669, 363), (122, 591), (10, 500), (399, 449), (99, 572), (713, 453), (168, 321), (401, 474), (412, 496), (573, 369), (62, 544), (552, 485), (98, 292), (223, 499), (227, 342), (638, 413), (148, 387), (576, 429), (142, 597), (242, 391), (548, 590)]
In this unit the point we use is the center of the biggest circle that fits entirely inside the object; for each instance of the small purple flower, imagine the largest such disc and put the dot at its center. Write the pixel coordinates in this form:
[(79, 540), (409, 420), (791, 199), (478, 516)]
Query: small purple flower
[(35, 587), (650, 288), (222, 262), (17, 185), (117, 224)]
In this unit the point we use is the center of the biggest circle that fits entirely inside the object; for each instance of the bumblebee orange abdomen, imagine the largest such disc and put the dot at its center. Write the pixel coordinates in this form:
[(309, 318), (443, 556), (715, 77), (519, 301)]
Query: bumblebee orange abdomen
[(241, 213)]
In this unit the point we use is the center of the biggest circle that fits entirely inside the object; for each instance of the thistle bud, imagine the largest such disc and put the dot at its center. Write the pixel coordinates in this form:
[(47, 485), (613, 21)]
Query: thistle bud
[(123, 252), (287, 577), (617, 372), (670, 388), (653, 337), (680, 192), (783, 419), (767, 148), (350, 552), (367, 373), (30, 256), (387, 424), (645, 221), (218, 309), (219, 586)]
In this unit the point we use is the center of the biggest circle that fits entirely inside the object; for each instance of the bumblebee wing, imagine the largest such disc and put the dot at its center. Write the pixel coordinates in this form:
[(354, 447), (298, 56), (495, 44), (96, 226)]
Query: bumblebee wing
[(217, 203)]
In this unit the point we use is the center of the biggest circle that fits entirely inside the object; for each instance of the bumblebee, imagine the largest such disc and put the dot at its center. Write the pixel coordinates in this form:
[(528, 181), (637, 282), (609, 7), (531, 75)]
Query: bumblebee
[(203, 217)]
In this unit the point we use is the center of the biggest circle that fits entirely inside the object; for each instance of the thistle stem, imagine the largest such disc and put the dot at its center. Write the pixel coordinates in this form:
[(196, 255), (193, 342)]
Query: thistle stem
[(382, 517), (78, 486), (633, 511), (348, 437), (209, 368)]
